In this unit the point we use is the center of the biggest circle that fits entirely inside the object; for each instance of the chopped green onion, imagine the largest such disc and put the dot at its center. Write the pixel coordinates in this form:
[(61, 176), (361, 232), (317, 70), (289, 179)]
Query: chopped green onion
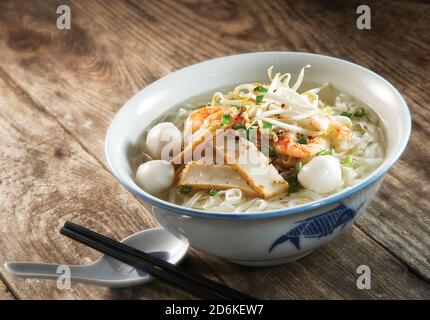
[(267, 125), (263, 89), (293, 185), (325, 152), (237, 107), (298, 166), (346, 114), (347, 161), (302, 140), (225, 119), (360, 112), (239, 126), (213, 192), (259, 99), (184, 189)]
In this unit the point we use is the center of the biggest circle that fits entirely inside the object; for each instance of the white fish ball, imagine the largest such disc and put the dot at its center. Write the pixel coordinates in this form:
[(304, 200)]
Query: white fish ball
[(155, 176), (163, 139), (322, 174)]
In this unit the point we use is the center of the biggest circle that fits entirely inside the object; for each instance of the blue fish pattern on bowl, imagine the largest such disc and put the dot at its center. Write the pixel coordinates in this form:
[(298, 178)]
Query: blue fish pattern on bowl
[(318, 226)]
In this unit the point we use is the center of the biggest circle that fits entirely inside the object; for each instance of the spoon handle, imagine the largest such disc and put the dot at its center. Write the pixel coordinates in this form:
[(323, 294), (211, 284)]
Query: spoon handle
[(46, 270)]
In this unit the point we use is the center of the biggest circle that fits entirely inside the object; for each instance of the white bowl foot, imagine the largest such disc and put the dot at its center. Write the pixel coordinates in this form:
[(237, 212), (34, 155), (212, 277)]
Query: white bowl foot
[(267, 263)]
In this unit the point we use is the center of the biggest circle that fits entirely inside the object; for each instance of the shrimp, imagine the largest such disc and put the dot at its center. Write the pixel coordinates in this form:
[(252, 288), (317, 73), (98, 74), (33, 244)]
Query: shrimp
[(328, 124), (196, 118), (319, 122), (341, 131), (207, 117), (290, 147)]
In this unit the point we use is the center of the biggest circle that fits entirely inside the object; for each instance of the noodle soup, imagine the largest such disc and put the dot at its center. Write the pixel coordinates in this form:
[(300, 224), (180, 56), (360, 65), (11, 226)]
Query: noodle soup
[(308, 140)]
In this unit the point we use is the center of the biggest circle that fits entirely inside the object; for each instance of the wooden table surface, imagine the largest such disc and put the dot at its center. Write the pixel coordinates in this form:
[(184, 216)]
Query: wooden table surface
[(59, 89)]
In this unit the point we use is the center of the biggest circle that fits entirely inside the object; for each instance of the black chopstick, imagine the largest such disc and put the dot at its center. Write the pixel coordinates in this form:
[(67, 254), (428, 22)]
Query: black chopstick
[(156, 261), (138, 264), (188, 281)]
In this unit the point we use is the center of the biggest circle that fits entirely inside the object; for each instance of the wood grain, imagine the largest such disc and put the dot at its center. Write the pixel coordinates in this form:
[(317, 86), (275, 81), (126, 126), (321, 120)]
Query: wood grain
[(48, 178), (329, 272), (75, 80), (5, 294)]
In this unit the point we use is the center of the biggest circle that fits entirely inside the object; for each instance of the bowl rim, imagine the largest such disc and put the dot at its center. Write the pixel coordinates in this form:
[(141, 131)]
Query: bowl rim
[(376, 175)]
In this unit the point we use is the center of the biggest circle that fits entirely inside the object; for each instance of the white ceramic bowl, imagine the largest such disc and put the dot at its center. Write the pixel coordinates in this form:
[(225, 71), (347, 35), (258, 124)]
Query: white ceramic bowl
[(271, 237)]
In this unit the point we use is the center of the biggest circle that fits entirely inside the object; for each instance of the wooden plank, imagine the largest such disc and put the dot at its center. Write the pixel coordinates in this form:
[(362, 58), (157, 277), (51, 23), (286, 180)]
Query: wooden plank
[(82, 76), (5, 294), (148, 59), (329, 272), (39, 180), (399, 216), (47, 178)]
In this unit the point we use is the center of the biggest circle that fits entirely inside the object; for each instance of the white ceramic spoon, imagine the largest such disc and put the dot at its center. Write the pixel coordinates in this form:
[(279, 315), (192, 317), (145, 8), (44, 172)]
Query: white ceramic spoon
[(108, 271)]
